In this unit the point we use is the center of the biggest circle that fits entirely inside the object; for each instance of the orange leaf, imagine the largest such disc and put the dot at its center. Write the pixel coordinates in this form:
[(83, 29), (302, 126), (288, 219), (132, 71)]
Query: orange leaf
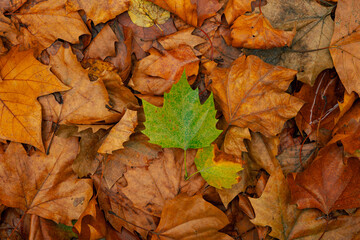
[(192, 12), (235, 8), (198, 220), (100, 11), (43, 20), (331, 182), (156, 73), (345, 44), (255, 31), (23, 80), (120, 133), (44, 185), (251, 94)]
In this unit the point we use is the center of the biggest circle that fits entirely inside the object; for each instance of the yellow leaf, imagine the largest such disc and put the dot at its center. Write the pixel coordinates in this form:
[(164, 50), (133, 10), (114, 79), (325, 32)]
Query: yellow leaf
[(145, 14)]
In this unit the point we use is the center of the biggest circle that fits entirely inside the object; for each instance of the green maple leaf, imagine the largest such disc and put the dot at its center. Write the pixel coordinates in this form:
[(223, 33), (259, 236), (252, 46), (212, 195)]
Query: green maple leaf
[(219, 174), (182, 122)]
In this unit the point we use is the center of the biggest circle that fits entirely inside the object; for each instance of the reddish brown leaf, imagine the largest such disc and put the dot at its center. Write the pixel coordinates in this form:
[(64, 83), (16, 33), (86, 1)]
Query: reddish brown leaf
[(330, 183)]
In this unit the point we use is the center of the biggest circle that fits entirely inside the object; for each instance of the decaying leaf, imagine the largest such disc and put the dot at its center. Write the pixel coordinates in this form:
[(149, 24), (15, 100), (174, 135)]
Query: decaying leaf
[(330, 183), (198, 220), (44, 185), (24, 79), (255, 31), (182, 122), (345, 44), (251, 95), (218, 168), (100, 11), (145, 14)]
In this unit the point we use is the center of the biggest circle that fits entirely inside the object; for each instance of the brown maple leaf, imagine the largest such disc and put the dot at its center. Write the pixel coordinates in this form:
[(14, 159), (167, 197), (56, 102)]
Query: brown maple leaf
[(24, 79), (44, 185), (251, 94), (330, 183)]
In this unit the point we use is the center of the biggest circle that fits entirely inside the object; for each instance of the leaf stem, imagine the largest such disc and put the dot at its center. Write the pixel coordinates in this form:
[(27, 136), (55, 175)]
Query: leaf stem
[(187, 178)]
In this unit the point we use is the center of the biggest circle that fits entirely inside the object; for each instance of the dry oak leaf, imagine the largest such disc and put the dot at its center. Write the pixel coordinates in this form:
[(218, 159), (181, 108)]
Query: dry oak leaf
[(330, 183), (255, 32), (86, 102), (156, 73), (103, 45), (345, 44), (120, 133), (273, 207), (314, 30), (186, 218), (100, 11), (24, 79), (44, 185), (193, 12), (251, 94), (48, 21), (235, 8)]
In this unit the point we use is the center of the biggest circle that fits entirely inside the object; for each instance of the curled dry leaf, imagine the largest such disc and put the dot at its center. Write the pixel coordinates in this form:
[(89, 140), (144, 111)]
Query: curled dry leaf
[(42, 20), (255, 31), (251, 94), (103, 45), (156, 73), (273, 208), (120, 133), (234, 140), (24, 79), (198, 220), (330, 183), (100, 11), (235, 8), (192, 12), (180, 37), (44, 185), (145, 14), (345, 44)]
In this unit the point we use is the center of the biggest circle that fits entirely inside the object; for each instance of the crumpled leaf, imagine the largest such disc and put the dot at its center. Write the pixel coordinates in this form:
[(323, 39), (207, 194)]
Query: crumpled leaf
[(273, 207), (314, 28), (120, 133), (255, 31), (24, 79), (86, 102), (251, 95), (44, 185), (198, 220), (100, 11), (192, 12), (234, 140), (182, 122), (156, 73), (145, 14), (42, 20), (345, 44), (219, 169), (330, 183), (235, 8)]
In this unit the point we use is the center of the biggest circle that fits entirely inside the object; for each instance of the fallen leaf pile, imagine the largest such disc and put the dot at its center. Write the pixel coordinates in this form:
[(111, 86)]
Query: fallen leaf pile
[(187, 119)]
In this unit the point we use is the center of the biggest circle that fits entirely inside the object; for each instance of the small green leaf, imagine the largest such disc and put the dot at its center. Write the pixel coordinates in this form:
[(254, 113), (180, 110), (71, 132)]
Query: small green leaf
[(216, 173), (182, 122)]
